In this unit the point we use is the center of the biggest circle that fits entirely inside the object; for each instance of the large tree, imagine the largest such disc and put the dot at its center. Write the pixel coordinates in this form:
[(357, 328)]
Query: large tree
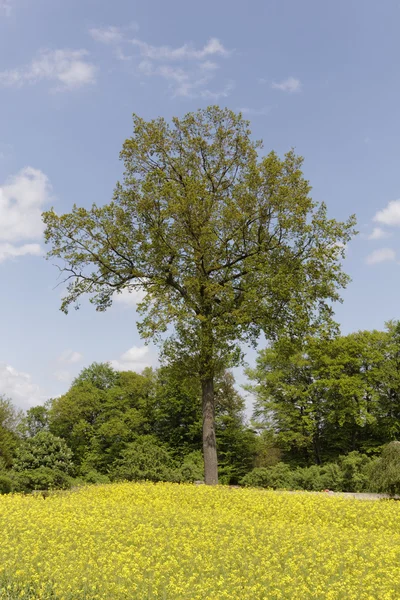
[(226, 243), (326, 396)]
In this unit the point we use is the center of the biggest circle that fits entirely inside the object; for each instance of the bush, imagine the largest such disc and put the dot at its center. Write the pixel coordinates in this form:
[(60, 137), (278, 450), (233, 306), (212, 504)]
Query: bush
[(44, 450), (145, 459), (192, 468), (93, 476), (279, 476), (351, 474), (308, 478), (332, 477), (42, 478), (6, 484), (385, 471), (355, 472)]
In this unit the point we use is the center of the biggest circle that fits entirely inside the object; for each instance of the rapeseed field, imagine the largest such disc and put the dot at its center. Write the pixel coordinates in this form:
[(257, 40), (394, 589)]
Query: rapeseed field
[(169, 541)]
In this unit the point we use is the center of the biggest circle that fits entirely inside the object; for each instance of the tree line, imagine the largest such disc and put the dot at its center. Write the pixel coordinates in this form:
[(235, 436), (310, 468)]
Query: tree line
[(123, 425), (325, 407)]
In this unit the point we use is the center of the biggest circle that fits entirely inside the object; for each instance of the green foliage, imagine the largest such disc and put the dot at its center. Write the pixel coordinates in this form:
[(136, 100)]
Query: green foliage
[(349, 474), (35, 420), (355, 472), (145, 459), (308, 478), (46, 451), (10, 419), (280, 476), (192, 467), (100, 375), (42, 478), (385, 471), (325, 396), (102, 412), (93, 476), (6, 484)]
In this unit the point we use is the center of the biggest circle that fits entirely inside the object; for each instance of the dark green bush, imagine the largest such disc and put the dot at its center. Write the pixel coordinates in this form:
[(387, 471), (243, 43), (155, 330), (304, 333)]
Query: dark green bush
[(384, 473), (42, 478), (44, 450), (192, 468), (279, 476), (93, 476), (6, 484), (332, 477), (350, 474), (308, 478), (145, 459), (355, 472)]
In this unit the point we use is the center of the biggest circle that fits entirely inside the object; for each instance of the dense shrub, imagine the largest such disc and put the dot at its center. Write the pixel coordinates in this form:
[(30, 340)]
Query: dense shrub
[(332, 477), (145, 459), (279, 476), (6, 484), (192, 468), (355, 472), (44, 450), (42, 478), (93, 476), (385, 471), (350, 474), (308, 478)]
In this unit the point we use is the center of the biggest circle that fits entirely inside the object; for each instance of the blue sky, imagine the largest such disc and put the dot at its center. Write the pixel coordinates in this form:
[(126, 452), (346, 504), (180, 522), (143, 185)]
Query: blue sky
[(321, 77)]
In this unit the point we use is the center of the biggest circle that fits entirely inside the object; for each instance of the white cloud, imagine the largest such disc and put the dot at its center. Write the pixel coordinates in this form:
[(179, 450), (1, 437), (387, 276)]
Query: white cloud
[(11, 251), (22, 199), (224, 93), (389, 215), (107, 35), (129, 298), (381, 255), (186, 52), (19, 387), (265, 110), (69, 69), (70, 357), (291, 84), (132, 360), (379, 234)]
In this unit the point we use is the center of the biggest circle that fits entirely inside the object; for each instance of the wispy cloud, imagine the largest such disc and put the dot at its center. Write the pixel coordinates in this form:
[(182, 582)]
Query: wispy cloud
[(187, 69), (70, 357), (390, 215), (290, 85), (255, 112), (379, 234), (217, 95), (381, 255), (107, 35), (186, 52), (68, 69)]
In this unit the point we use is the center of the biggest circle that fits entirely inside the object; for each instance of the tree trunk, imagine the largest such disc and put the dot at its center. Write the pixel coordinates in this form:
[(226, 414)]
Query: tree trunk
[(209, 439)]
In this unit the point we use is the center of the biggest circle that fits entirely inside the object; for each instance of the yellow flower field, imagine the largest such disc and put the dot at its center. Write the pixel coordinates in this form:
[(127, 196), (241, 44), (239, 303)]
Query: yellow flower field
[(169, 541)]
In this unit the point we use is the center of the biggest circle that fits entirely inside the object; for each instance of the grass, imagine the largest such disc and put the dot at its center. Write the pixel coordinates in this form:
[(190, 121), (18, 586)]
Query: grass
[(168, 541)]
